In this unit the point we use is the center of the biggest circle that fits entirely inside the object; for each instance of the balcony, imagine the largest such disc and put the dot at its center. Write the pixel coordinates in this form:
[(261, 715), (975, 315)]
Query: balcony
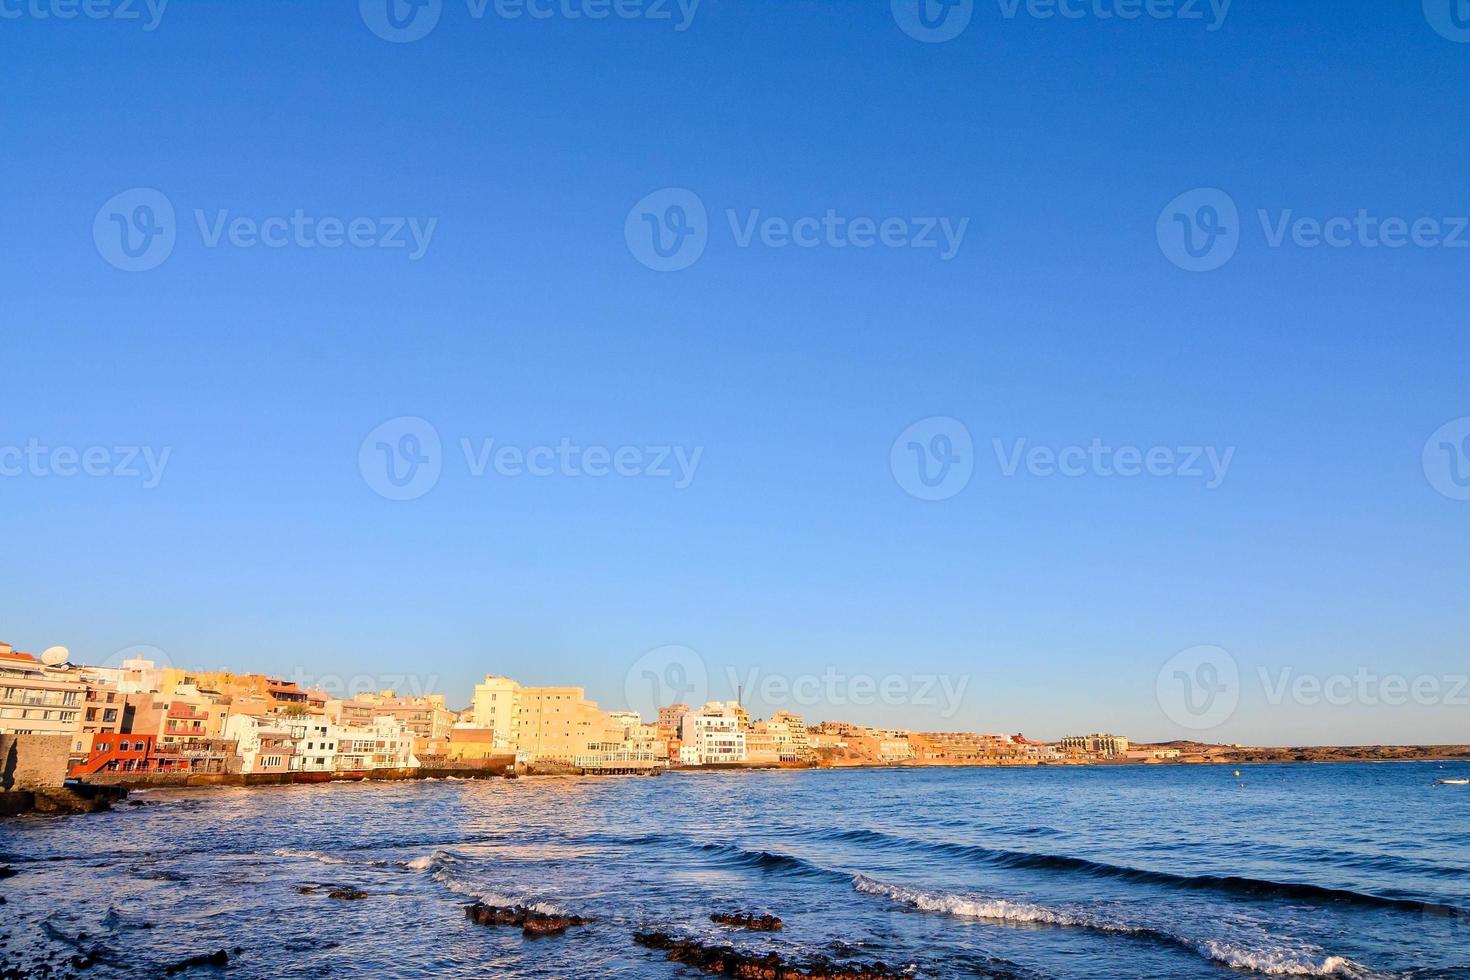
[(185, 712)]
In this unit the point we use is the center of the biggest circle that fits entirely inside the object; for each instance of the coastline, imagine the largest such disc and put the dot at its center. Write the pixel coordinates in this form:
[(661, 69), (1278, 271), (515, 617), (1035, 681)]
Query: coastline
[(219, 780)]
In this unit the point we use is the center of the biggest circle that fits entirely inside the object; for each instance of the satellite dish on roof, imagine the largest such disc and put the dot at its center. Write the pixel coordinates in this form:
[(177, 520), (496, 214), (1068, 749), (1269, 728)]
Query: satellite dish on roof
[(55, 656)]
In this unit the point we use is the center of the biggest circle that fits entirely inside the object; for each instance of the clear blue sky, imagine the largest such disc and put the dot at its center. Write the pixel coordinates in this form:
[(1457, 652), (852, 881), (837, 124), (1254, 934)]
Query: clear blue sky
[(794, 550)]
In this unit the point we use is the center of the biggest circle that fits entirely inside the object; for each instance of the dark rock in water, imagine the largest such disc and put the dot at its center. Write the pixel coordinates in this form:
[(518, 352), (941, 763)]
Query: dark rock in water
[(727, 961), (6, 871), (347, 893), (545, 925), (532, 922), (306, 889), (218, 958), (747, 920)]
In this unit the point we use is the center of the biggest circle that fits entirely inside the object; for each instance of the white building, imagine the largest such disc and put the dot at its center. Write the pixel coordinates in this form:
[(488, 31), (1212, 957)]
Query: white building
[(385, 744), (263, 742), (322, 746), (316, 746), (712, 735), (627, 719), (36, 698)]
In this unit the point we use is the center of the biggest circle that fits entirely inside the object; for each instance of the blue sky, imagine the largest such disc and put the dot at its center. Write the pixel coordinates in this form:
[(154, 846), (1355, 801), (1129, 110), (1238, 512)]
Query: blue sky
[(795, 550)]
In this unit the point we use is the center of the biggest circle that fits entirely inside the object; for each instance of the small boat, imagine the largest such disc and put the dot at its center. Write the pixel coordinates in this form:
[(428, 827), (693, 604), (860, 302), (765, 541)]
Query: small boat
[(1453, 782)]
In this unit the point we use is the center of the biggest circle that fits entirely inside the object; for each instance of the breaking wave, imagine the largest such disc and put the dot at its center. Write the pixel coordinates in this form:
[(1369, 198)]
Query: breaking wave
[(1235, 884), (1276, 961)]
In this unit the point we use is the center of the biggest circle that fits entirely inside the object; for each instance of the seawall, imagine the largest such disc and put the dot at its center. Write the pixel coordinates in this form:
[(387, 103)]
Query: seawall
[(492, 768)]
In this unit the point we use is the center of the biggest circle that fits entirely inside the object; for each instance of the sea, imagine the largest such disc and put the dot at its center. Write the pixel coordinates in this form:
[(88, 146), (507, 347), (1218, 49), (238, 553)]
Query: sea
[(1328, 870)]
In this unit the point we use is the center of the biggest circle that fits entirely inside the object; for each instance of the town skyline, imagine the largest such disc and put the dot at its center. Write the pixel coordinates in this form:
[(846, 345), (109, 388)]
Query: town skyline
[(886, 701)]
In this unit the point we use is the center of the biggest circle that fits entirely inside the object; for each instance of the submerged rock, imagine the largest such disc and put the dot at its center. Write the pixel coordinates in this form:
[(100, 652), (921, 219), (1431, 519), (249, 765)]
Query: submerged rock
[(347, 893), (532, 922), (727, 961), (747, 920), (218, 958)]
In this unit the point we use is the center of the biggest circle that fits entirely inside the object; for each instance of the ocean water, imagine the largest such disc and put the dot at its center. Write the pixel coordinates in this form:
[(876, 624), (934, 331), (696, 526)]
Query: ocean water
[(1311, 870)]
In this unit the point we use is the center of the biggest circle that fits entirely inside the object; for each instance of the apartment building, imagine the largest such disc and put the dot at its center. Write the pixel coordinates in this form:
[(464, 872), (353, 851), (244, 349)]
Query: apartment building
[(669, 718), (1095, 744), (494, 708), (263, 743), (37, 699), (427, 717), (559, 724), (384, 743), (713, 735)]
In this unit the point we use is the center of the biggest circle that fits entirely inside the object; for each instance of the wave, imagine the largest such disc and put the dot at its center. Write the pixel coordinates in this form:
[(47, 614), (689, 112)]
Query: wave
[(441, 866), (321, 857), (1277, 961), (733, 854), (764, 860), (1235, 884)]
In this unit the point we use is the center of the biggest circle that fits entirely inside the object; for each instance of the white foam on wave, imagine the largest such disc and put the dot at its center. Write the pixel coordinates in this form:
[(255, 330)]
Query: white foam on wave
[(443, 872), (291, 852), (1278, 962), (421, 863), (1275, 961)]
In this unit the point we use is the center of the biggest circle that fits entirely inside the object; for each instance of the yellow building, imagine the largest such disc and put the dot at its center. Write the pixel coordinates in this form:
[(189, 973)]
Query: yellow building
[(494, 708), (559, 725)]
